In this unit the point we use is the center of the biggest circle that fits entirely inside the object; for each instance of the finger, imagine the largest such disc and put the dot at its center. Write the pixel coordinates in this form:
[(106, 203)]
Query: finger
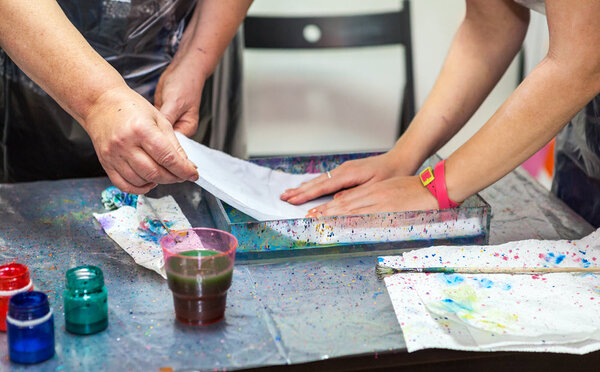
[(338, 181), (169, 133), (343, 209), (125, 186), (171, 110), (149, 170), (289, 193), (130, 175), (303, 187), (158, 95), (359, 197), (187, 124), (168, 153)]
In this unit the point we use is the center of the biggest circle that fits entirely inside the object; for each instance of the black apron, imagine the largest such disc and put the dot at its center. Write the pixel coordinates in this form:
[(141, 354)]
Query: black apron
[(577, 163), (39, 140)]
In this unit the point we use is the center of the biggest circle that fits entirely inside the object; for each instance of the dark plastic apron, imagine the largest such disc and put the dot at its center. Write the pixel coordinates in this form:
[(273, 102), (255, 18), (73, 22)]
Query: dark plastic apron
[(577, 163), (39, 140)]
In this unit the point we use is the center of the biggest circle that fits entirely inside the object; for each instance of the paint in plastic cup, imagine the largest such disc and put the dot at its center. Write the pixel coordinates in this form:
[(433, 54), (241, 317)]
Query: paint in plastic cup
[(199, 266)]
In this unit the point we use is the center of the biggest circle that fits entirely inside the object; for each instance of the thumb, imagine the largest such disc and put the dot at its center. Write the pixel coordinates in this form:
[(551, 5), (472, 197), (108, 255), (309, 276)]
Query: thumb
[(170, 111)]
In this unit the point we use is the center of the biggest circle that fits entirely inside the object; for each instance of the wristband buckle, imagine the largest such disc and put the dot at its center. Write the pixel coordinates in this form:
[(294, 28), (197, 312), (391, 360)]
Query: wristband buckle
[(426, 176)]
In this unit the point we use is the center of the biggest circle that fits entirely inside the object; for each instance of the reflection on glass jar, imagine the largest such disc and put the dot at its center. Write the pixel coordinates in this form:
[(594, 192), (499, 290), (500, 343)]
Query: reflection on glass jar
[(86, 308)]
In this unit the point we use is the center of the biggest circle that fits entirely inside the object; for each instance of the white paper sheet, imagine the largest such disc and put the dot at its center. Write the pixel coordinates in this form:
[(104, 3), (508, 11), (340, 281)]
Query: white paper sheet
[(551, 312), (128, 227), (249, 188)]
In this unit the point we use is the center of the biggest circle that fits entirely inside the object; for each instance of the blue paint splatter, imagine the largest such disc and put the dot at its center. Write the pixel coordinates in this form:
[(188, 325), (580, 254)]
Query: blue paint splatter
[(152, 230), (505, 286), (586, 263), (557, 259), (376, 294), (454, 307), (113, 198), (485, 283), (451, 279)]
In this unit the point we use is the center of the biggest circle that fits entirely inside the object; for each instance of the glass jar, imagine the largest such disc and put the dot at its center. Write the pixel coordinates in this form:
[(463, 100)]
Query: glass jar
[(30, 328), (86, 308), (14, 278)]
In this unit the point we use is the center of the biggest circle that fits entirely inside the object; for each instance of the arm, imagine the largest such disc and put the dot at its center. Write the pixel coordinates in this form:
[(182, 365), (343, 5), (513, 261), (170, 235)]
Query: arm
[(564, 82), (554, 92), (179, 90), (134, 142), (483, 47)]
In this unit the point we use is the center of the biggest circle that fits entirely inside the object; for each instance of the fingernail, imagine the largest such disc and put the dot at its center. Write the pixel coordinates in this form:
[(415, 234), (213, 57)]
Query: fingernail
[(194, 178), (283, 195), (312, 210)]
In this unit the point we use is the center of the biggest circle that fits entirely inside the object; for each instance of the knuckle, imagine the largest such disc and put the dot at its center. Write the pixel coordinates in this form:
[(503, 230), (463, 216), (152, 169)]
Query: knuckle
[(168, 158), (151, 174), (117, 142)]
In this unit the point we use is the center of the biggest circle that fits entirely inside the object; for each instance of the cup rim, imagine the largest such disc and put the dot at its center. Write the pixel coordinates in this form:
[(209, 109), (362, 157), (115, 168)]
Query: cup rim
[(175, 232)]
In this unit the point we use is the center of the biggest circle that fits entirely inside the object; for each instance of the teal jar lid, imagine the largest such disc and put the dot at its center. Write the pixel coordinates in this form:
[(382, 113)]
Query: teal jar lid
[(85, 278)]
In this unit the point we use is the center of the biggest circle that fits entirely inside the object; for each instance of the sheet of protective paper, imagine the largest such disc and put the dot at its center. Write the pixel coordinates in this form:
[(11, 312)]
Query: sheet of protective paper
[(551, 312), (248, 187), (138, 232)]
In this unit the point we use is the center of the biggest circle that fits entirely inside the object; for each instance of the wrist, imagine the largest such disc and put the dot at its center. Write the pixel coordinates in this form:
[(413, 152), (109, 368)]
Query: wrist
[(103, 102), (435, 181)]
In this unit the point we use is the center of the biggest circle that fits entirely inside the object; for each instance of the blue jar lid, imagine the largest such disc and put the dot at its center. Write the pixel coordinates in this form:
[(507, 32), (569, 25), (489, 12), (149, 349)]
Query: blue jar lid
[(28, 305)]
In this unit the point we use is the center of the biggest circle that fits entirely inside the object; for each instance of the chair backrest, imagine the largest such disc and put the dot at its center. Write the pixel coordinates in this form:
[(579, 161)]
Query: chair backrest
[(390, 28)]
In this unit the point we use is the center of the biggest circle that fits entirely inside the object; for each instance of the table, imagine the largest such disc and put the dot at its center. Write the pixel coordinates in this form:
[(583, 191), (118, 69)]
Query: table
[(326, 313)]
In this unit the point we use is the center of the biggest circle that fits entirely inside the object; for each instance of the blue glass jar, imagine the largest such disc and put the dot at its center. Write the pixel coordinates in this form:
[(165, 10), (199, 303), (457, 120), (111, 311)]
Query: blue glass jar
[(30, 328), (86, 308)]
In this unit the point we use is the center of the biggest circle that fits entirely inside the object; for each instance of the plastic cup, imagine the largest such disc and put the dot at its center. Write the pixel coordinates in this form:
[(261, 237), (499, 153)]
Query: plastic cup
[(199, 265)]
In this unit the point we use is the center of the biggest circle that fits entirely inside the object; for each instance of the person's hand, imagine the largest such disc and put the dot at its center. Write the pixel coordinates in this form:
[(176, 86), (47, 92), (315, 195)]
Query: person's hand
[(135, 143), (350, 174), (179, 92), (391, 195)]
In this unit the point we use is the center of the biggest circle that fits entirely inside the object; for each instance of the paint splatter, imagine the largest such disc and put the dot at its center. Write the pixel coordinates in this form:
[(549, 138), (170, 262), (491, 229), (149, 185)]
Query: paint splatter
[(451, 279), (113, 198), (152, 230)]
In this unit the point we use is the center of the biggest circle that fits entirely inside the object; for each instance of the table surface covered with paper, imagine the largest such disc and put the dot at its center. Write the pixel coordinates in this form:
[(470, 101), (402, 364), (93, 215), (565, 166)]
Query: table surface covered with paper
[(288, 313)]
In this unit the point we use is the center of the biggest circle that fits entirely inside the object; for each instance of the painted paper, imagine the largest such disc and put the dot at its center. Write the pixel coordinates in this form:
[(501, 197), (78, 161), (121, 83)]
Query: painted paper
[(138, 230), (551, 312)]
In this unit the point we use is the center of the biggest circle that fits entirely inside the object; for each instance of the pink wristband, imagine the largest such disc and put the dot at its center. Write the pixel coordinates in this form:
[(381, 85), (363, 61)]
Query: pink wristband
[(441, 193)]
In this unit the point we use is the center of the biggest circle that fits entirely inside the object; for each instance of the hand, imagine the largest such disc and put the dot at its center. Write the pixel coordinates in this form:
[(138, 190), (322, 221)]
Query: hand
[(178, 94), (391, 195), (135, 143), (351, 173)]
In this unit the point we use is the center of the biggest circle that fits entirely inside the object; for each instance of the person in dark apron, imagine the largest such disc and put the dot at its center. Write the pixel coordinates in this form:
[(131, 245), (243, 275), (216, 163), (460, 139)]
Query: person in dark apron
[(577, 163), (139, 38)]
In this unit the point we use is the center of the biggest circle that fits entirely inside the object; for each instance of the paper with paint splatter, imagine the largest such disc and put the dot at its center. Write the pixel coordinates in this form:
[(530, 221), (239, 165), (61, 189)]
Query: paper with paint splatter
[(248, 187), (551, 312), (138, 230)]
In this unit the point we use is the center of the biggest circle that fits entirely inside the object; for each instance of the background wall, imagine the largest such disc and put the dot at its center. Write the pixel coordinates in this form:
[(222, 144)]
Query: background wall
[(348, 100)]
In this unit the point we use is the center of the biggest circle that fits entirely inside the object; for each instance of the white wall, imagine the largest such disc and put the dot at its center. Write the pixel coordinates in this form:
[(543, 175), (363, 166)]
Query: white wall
[(348, 100)]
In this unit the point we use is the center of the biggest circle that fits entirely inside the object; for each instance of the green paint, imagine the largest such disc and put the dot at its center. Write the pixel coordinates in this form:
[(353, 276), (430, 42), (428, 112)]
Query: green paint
[(199, 286)]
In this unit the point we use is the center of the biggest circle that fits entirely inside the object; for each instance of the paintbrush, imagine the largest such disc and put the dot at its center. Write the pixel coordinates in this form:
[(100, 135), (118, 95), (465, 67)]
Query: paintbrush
[(383, 271)]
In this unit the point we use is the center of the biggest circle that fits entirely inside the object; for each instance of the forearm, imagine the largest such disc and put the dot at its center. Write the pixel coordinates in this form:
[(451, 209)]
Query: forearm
[(485, 44), (564, 82), (534, 114), (213, 25), (37, 35)]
